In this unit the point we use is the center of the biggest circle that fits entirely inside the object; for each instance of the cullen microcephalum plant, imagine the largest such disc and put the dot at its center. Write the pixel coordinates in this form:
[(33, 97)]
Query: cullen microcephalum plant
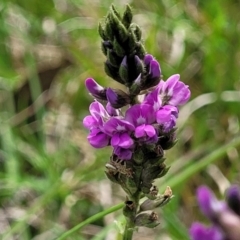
[(138, 123)]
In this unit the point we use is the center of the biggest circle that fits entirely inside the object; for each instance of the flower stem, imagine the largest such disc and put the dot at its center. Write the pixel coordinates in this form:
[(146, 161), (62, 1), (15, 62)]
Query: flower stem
[(128, 231), (130, 223)]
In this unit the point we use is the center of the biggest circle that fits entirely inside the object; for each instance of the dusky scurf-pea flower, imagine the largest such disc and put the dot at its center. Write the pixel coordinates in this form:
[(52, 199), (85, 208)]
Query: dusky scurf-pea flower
[(138, 131), (224, 215)]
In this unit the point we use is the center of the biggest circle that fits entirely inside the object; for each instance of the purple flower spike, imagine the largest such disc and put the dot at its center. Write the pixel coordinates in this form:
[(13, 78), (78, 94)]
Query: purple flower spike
[(167, 116), (95, 89), (201, 232), (174, 92), (233, 198)]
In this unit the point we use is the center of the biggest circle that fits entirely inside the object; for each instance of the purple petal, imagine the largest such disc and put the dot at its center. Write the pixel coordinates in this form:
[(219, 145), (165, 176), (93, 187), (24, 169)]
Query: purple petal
[(97, 110), (154, 99), (90, 122), (208, 203), (112, 111), (125, 154), (166, 116), (98, 139), (115, 125), (140, 114), (175, 92), (122, 140), (154, 70), (201, 232), (112, 96), (147, 59), (95, 89), (117, 98), (145, 130)]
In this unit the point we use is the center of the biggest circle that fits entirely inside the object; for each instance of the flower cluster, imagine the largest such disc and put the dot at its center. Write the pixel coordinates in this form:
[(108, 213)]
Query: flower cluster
[(137, 130), (143, 123), (224, 215)]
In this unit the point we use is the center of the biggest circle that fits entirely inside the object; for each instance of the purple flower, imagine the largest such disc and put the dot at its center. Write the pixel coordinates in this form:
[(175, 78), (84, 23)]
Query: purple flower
[(94, 122), (122, 153), (95, 89), (174, 92), (142, 116), (201, 232), (166, 116), (117, 125), (98, 139), (120, 131), (225, 220), (208, 203), (153, 99), (146, 133)]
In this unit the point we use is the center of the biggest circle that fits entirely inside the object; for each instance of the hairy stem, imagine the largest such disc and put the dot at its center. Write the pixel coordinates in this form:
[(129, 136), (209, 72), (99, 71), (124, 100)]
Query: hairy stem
[(130, 223)]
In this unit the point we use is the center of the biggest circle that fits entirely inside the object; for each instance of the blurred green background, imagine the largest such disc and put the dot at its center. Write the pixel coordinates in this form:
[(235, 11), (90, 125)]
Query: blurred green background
[(50, 177)]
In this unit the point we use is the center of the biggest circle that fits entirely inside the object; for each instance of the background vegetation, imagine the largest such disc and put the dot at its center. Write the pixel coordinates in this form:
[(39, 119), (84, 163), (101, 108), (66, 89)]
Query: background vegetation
[(50, 178)]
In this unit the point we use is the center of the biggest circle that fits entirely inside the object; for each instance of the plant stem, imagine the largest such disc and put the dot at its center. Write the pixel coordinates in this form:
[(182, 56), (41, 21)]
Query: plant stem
[(130, 224), (128, 231)]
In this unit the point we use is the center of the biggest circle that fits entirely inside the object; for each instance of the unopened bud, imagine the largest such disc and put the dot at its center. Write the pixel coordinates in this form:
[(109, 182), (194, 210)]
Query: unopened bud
[(117, 98), (95, 89), (135, 88), (112, 72), (233, 198), (123, 70), (147, 219), (127, 16), (160, 201)]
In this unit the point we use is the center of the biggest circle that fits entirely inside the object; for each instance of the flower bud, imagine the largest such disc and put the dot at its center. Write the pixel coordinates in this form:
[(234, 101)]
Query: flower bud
[(112, 72), (127, 16), (117, 98), (123, 70), (233, 198), (112, 111), (147, 219), (135, 89), (160, 201), (95, 89)]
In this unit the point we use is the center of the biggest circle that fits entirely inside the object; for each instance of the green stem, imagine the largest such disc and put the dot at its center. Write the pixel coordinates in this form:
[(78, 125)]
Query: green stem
[(130, 224), (129, 229), (90, 220)]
